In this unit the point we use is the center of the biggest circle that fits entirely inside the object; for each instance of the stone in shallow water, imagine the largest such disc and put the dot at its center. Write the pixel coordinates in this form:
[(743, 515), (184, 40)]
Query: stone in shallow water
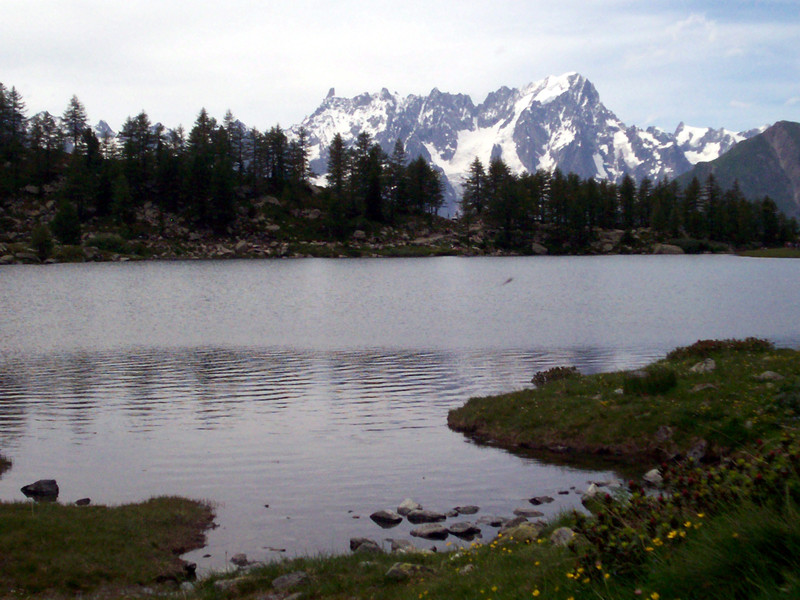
[(425, 516), (537, 500), (407, 505), (528, 512), (430, 531), (386, 518), (466, 510), (464, 529)]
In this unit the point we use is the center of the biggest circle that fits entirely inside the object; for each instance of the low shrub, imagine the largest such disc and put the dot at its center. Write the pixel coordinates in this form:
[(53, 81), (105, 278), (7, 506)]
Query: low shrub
[(543, 377), (704, 348), (109, 242), (650, 382)]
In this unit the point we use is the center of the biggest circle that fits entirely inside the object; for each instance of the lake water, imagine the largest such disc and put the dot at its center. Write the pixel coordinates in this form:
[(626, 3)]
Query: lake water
[(302, 395)]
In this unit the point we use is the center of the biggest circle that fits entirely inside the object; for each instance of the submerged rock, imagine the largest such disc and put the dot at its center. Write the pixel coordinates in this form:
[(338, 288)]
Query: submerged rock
[(466, 510), (527, 512)]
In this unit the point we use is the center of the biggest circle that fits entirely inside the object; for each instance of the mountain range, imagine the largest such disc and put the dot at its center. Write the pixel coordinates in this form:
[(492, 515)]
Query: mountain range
[(556, 122), (765, 165)]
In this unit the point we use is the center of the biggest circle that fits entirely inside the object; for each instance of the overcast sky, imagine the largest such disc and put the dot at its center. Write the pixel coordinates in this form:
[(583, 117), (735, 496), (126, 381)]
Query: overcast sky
[(721, 63)]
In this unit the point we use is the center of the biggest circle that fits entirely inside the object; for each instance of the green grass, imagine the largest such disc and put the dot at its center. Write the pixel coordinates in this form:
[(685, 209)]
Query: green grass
[(772, 253), (617, 413), (51, 550)]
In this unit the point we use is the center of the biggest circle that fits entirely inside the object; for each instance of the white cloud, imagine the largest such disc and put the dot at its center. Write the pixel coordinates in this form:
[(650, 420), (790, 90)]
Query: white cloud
[(273, 62)]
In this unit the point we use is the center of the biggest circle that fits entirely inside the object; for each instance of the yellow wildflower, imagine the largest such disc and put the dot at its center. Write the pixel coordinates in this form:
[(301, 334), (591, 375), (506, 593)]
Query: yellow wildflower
[(535, 593)]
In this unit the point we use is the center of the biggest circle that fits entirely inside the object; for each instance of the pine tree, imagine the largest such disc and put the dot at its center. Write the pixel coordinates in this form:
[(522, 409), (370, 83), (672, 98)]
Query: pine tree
[(74, 122)]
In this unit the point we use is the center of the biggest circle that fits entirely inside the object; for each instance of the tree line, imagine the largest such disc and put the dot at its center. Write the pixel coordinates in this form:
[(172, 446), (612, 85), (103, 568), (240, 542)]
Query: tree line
[(206, 175), (215, 171), (572, 209)]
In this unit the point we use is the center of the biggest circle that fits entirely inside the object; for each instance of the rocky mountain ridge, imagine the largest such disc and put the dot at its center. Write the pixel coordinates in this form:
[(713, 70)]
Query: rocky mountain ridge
[(556, 122)]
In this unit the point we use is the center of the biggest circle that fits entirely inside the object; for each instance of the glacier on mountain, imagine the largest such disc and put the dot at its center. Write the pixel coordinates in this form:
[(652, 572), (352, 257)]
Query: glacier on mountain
[(556, 122)]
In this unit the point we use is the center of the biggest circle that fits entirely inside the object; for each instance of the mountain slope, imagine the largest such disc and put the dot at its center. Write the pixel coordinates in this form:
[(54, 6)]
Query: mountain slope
[(765, 165), (556, 122)]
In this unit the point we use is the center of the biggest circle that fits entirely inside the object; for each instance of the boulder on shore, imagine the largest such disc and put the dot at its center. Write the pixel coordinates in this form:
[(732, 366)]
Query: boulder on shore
[(44, 488)]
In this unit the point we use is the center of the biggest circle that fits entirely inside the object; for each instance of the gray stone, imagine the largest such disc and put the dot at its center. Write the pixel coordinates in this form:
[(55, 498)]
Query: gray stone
[(765, 376), (430, 531), (466, 569), (464, 529), (511, 523), (707, 366), (538, 249), (537, 500), (241, 246), (240, 559), (402, 546), (361, 544), (702, 387), (562, 536), (83, 502), (653, 477), (28, 258), (425, 516), (229, 585), (664, 433), (667, 249), (6, 259), (290, 580), (698, 450), (358, 234), (524, 532), (492, 521), (466, 510), (405, 571), (527, 512), (386, 518), (44, 488)]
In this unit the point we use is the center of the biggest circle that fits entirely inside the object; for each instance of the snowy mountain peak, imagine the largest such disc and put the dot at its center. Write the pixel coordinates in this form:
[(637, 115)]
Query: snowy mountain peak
[(558, 121)]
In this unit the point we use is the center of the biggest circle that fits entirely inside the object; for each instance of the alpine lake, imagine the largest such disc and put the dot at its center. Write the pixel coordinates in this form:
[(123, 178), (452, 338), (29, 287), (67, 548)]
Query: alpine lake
[(300, 396)]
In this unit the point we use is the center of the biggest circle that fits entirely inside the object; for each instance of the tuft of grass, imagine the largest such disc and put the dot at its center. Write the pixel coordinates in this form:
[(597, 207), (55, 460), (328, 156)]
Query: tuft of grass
[(52, 549), (772, 253), (654, 381)]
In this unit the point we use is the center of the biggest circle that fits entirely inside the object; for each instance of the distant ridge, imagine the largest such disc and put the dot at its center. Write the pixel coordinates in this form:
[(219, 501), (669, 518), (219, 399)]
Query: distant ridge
[(767, 164)]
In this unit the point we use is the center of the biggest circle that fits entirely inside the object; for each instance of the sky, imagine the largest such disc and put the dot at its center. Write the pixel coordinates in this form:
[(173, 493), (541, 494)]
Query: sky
[(721, 63)]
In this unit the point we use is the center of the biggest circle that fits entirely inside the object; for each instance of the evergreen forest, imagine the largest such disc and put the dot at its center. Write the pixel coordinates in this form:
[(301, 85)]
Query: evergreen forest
[(63, 181)]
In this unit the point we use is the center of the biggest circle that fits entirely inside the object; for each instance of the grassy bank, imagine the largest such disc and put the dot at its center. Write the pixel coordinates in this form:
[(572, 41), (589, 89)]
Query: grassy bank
[(660, 411), (54, 550), (772, 253)]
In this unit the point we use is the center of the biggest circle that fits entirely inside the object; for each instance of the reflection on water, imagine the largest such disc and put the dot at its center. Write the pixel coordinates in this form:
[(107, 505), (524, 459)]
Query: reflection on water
[(321, 437)]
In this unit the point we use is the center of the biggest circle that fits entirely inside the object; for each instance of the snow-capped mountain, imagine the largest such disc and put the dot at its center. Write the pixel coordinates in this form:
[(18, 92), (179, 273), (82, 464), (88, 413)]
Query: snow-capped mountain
[(556, 122)]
